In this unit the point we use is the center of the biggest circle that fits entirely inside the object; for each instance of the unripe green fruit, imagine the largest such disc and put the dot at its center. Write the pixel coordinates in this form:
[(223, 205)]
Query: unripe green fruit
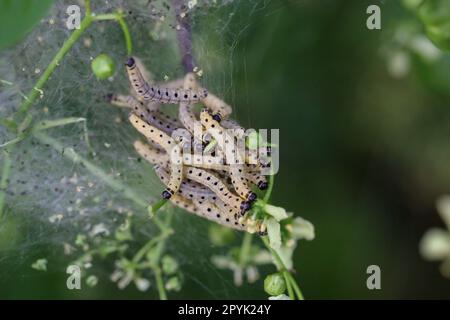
[(169, 265), (103, 66), (274, 284)]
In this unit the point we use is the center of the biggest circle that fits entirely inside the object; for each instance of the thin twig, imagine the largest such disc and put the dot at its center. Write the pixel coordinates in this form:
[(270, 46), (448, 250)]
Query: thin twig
[(184, 35), (6, 171)]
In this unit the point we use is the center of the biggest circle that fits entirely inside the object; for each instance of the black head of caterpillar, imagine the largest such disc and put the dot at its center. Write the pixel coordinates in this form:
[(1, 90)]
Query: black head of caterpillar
[(263, 185)]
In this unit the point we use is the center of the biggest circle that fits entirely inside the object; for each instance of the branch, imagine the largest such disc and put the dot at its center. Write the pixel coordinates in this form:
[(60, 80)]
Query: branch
[(184, 36)]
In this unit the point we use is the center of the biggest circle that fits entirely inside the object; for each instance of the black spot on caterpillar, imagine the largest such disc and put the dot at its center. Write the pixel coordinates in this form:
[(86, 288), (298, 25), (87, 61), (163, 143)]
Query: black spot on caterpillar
[(171, 148), (151, 116), (159, 94), (202, 211), (211, 212), (188, 189), (217, 106), (218, 187), (232, 156), (152, 155)]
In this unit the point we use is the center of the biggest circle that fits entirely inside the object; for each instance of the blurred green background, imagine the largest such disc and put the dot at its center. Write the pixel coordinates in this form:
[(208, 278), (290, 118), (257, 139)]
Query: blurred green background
[(363, 155)]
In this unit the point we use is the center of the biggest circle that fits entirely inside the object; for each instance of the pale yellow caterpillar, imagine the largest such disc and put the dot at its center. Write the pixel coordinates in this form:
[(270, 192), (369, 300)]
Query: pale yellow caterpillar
[(211, 212), (220, 109), (123, 101), (171, 148), (257, 179), (151, 116), (154, 93), (218, 187), (188, 189), (226, 142), (207, 211), (238, 131), (152, 155)]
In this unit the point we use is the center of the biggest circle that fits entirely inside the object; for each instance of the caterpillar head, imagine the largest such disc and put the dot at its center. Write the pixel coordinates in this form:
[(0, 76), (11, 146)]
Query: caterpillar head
[(217, 117), (262, 185), (130, 62), (166, 194), (109, 97), (251, 197), (245, 206)]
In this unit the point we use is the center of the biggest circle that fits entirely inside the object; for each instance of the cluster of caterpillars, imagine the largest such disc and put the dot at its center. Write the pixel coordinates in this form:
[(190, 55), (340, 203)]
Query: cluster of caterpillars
[(215, 184)]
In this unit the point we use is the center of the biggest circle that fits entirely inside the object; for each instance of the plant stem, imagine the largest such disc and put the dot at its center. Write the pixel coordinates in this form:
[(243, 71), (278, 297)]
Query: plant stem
[(282, 268), (155, 207), (288, 285), (33, 94), (47, 124), (87, 5), (140, 254), (269, 190), (70, 154), (245, 248), (126, 33), (184, 36), (6, 171), (160, 284), (296, 287)]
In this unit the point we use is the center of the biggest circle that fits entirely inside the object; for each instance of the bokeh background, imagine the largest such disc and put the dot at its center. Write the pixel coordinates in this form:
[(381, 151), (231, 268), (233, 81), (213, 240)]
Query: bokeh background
[(364, 150)]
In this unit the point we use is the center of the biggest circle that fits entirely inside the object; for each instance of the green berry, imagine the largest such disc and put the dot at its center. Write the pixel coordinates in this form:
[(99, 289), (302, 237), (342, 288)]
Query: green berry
[(103, 66), (169, 265), (274, 284), (173, 284), (92, 281)]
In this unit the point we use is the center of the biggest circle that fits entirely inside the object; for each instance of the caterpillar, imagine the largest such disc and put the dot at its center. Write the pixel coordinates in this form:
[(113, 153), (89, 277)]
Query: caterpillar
[(151, 116), (217, 106), (207, 211), (201, 195), (212, 212), (218, 187), (188, 189), (171, 148), (152, 155), (158, 94), (220, 109), (238, 131), (226, 142), (258, 179)]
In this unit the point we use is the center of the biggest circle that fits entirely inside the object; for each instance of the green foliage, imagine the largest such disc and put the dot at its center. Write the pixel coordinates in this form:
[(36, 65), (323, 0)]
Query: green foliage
[(435, 15), (169, 265), (40, 265), (17, 17), (220, 236)]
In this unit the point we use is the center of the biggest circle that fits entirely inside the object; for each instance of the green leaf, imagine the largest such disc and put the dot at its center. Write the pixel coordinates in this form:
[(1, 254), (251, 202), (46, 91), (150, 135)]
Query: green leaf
[(92, 281), (18, 17), (443, 206), (277, 212), (273, 231), (173, 284), (302, 229), (412, 4), (435, 15), (40, 265), (169, 265)]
